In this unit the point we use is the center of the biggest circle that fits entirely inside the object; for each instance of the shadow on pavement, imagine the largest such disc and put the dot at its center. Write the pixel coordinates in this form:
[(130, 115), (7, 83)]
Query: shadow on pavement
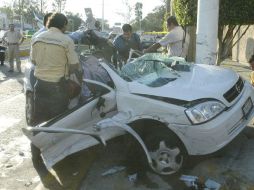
[(68, 173), (249, 132), (81, 169), (5, 75)]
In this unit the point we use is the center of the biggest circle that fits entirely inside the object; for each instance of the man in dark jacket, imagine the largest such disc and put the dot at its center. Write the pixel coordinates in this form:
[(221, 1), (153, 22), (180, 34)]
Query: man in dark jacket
[(126, 41)]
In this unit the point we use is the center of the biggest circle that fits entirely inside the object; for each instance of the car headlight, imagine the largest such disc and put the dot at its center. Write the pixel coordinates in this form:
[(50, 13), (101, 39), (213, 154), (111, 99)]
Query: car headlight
[(205, 111)]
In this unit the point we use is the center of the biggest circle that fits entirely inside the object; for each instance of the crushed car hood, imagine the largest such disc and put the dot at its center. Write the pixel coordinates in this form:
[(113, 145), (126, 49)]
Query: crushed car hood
[(202, 81)]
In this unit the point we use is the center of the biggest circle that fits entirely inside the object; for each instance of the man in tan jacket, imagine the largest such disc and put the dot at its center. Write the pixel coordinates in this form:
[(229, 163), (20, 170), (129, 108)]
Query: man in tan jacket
[(54, 58), (13, 39)]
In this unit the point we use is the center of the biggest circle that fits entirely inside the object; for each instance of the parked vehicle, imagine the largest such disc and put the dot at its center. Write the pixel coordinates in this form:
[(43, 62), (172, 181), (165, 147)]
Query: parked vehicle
[(171, 107)]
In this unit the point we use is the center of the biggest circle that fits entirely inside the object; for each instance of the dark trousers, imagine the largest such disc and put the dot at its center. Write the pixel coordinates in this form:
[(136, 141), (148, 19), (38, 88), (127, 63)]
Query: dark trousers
[(2, 57), (50, 100)]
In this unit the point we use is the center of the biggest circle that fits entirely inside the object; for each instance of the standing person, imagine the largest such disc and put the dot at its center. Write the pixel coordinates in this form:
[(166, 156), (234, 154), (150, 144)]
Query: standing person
[(13, 39), (54, 57), (97, 25), (126, 41), (44, 28), (176, 41), (251, 62)]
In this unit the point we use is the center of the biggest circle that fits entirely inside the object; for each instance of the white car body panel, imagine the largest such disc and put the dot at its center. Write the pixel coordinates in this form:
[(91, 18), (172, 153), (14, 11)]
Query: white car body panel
[(201, 85), (55, 147), (202, 82)]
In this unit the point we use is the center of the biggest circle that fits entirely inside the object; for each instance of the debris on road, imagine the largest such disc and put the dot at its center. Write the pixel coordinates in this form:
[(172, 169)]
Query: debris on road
[(113, 170), (197, 183), (75, 173), (213, 185), (28, 184), (190, 181), (9, 166), (21, 153), (133, 177)]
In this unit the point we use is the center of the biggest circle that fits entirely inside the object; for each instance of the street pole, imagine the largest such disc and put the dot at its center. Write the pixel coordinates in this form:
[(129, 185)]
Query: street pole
[(207, 31), (21, 4), (41, 7), (102, 24)]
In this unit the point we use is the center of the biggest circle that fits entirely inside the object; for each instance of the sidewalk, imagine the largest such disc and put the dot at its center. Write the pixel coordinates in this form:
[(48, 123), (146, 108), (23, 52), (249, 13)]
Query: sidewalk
[(241, 68), (5, 75)]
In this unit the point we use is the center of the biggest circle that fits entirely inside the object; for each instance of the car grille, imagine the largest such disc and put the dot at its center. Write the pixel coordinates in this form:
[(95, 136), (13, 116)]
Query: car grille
[(234, 91)]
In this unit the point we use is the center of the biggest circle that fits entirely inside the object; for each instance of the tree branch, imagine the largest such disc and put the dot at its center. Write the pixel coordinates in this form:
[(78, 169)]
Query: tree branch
[(241, 36), (229, 32), (239, 27)]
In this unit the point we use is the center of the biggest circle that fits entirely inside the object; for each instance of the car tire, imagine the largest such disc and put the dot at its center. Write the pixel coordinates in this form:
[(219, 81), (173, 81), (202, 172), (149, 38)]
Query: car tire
[(37, 160), (30, 119), (166, 150)]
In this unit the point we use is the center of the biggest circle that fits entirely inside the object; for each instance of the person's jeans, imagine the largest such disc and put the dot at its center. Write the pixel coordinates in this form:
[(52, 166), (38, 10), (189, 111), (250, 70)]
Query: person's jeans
[(50, 100), (2, 57)]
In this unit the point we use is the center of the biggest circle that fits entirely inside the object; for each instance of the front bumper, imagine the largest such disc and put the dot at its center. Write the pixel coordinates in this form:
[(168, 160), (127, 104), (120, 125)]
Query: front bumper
[(209, 137)]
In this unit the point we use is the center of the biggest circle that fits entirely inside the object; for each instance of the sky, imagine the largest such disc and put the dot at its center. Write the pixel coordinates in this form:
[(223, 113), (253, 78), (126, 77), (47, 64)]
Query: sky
[(111, 7)]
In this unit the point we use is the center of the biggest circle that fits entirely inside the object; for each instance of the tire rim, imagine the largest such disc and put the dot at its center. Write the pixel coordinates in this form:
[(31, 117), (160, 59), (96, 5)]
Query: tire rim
[(166, 160)]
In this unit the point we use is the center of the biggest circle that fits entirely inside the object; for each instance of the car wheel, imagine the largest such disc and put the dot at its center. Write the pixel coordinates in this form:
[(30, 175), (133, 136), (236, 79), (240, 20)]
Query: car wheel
[(30, 109), (37, 160), (166, 151)]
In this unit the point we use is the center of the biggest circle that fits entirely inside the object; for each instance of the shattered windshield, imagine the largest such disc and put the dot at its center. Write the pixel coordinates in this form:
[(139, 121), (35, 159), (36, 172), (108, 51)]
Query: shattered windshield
[(155, 69)]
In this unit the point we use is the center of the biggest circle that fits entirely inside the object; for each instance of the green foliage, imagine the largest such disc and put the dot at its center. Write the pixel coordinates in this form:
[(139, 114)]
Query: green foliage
[(7, 11), (58, 5), (166, 15), (74, 21), (236, 12), (153, 21), (231, 12), (186, 11), (22, 7)]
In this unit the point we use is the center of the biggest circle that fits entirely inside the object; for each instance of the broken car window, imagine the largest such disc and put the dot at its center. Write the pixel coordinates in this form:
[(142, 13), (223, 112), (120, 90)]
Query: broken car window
[(154, 69)]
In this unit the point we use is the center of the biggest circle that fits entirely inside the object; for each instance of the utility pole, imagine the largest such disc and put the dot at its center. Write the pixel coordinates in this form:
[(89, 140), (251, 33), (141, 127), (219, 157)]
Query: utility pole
[(102, 20), (207, 31), (138, 13), (41, 7), (21, 5)]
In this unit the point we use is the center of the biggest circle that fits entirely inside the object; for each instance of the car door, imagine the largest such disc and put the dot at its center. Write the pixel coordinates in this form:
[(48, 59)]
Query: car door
[(56, 146)]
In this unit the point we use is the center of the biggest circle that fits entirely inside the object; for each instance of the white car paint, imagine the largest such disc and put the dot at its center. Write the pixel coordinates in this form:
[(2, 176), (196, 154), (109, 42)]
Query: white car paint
[(130, 101)]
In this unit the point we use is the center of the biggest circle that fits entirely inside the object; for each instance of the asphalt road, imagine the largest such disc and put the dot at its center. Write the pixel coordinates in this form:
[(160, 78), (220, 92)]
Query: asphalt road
[(16, 167), (16, 170), (232, 167)]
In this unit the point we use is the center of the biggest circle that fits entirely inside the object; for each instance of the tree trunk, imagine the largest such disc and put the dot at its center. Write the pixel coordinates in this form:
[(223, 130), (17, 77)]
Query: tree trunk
[(226, 44), (220, 37)]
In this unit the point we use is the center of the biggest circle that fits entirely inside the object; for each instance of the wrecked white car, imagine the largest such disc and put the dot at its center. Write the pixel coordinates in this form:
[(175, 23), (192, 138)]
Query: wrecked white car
[(186, 109)]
